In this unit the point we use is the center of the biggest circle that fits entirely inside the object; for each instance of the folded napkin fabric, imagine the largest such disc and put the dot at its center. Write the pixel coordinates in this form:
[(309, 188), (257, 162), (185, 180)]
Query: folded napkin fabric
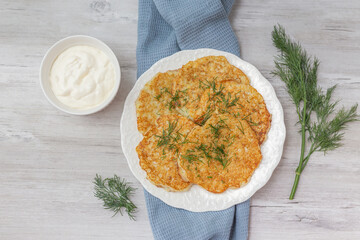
[(164, 28), (195, 24)]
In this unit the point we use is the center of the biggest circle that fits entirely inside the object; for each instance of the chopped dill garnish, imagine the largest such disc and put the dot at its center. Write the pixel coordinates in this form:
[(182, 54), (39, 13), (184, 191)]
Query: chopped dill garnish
[(162, 91), (166, 137), (221, 155), (174, 101), (251, 123), (202, 85), (228, 138), (216, 92), (245, 118), (157, 97), (174, 98), (205, 116), (236, 115), (220, 149), (227, 101), (249, 120), (216, 130), (170, 138), (209, 84), (241, 128), (191, 157), (205, 150)]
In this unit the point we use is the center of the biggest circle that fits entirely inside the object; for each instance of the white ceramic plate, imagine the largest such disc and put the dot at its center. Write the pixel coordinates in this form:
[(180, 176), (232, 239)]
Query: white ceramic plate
[(198, 199)]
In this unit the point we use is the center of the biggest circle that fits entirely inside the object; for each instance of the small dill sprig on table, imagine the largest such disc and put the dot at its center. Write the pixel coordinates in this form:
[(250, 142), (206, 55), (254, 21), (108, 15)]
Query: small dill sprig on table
[(115, 193), (320, 123)]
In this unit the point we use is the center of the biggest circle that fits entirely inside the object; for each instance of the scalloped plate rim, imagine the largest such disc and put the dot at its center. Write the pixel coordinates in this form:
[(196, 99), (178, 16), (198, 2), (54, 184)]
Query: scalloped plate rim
[(200, 205)]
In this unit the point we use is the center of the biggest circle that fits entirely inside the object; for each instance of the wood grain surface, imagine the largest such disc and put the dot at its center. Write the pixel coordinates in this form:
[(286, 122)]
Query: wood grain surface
[(48, 159)]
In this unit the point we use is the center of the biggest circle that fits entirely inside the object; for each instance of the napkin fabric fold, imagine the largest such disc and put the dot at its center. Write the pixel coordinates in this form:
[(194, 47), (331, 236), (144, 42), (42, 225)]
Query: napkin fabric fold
[(164, 28)]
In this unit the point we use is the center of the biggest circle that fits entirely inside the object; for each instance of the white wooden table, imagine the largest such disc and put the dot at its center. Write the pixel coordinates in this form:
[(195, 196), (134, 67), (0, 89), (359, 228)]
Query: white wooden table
[(48, 159)]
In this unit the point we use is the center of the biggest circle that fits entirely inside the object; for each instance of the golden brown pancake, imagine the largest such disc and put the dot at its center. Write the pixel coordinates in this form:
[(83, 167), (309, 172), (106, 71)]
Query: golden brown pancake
[(222, 154), (158, 152)]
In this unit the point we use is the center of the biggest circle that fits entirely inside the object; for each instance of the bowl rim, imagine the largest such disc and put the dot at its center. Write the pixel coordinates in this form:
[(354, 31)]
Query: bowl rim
[(112, 58)]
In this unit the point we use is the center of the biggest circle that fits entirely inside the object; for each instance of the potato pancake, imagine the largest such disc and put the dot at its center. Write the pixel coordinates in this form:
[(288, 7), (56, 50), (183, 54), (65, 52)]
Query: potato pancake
[(222, 154), (158, 152)]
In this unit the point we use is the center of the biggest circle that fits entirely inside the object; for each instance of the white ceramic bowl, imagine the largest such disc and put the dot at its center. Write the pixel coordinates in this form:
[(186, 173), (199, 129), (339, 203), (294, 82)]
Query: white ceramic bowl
[(55, 51)]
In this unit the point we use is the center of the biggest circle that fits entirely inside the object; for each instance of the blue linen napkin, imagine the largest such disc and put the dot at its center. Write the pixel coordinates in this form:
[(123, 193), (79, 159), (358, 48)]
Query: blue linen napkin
[(166, 27)]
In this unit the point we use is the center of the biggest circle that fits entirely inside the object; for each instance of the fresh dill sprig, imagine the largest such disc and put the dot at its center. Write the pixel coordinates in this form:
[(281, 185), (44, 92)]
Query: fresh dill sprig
[(320, 124), (115, 193)]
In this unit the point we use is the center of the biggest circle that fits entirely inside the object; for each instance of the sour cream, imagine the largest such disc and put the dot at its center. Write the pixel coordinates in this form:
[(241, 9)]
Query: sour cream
[(82, 77)]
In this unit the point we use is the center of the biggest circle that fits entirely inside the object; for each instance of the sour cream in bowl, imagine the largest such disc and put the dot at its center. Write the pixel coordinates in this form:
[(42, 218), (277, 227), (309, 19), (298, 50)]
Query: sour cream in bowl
[(80, 75)]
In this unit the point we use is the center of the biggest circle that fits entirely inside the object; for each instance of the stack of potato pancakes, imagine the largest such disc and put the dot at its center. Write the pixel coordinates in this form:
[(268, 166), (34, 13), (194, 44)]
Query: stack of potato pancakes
[(202, 124)]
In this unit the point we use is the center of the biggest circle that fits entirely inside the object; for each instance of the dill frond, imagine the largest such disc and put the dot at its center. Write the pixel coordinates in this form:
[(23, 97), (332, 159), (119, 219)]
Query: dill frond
[(115, 193), (299, 73)]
